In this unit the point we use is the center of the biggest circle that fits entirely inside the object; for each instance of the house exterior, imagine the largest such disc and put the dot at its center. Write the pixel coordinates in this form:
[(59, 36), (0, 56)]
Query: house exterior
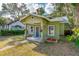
[(39, 28), (16, 25), (5, 26)]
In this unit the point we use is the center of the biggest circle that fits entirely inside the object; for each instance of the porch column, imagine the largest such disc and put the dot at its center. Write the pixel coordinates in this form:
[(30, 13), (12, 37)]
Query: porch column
[(25, 35), (41, 30)]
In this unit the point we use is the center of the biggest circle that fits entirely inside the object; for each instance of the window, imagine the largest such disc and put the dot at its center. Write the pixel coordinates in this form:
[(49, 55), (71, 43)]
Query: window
[(31, 29), (51, 30)]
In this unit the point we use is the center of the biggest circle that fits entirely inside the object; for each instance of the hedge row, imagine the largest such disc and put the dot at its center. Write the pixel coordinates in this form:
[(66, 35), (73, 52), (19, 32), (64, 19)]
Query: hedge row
[(11, 32)]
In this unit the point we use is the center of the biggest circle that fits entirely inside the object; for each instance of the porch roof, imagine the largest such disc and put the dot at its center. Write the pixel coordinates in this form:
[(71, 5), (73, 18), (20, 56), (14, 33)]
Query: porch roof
[(63, 19)]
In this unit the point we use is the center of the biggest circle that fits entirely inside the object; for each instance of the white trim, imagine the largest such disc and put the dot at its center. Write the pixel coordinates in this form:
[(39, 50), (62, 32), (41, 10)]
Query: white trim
[(39, 30), (54, 29)]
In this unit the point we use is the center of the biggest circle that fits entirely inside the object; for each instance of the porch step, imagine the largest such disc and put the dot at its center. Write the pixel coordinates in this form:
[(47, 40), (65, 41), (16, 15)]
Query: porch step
[(34, 39)]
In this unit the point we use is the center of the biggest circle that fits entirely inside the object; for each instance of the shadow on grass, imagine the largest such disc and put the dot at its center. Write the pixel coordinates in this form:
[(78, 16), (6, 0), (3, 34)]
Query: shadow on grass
[(44, 48), (57, 49)]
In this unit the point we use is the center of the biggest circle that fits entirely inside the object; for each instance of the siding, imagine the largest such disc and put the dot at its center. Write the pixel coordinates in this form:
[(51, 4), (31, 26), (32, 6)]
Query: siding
[(59, 27)]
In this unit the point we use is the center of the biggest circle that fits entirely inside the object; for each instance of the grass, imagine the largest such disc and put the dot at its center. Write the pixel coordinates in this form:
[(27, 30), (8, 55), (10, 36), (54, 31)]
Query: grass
[(23, 50), (36, 49), (3, 43), (32, 49), (17, 38), (5, 40)]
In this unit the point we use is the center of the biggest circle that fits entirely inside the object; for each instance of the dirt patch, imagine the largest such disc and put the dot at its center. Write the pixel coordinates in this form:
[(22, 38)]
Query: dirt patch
[(59, 49)]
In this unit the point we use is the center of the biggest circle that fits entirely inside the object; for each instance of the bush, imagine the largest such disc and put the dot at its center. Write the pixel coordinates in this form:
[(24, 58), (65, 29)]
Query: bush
[(11, 32), (77, 42), (69, 38), (76, 36), (76, 31)]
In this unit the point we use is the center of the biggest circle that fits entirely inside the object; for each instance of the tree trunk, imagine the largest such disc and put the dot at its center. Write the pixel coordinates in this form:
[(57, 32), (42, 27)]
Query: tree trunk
[(77, 16)]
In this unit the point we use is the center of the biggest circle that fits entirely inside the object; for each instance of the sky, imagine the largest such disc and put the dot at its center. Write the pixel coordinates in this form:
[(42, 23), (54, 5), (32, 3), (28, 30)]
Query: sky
[(49, 8), (0, 6)]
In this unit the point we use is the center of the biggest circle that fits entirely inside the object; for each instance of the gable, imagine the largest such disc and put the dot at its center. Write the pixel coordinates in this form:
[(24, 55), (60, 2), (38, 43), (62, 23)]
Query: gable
[(32, 19), (17, 23)]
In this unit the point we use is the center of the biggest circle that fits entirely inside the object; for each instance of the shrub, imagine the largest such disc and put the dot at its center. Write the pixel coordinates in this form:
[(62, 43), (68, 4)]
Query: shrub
[(76, 31), (11, 32), (69, 38), (77, 42), (76, 36)]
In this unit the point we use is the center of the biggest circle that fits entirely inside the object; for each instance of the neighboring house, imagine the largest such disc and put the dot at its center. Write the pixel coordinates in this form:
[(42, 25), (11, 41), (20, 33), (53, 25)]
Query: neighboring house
[(39, 28), (5, 26), (16, 25)]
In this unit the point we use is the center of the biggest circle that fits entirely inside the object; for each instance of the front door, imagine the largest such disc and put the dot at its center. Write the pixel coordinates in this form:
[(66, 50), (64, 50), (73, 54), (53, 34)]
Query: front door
[(37, 31)]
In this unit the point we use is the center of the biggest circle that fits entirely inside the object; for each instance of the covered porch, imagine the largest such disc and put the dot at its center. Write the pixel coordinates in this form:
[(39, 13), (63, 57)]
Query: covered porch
[(33, 32)]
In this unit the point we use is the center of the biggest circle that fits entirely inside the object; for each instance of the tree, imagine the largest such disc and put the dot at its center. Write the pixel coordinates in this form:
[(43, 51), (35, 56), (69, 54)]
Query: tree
[(58, 11), (15, 9), (64, 9), (2, 22), (70, 13), (76, 5), (40, 11)]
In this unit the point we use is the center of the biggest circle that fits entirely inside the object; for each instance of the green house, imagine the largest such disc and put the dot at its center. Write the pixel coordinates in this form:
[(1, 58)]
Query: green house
[(39, 28)]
